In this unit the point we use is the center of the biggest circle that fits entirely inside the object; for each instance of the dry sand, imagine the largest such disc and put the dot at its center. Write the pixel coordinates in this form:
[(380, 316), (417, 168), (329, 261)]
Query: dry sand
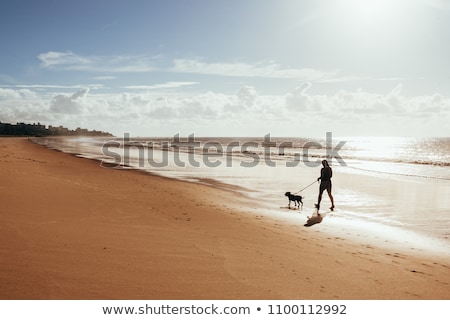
[(70, 229)]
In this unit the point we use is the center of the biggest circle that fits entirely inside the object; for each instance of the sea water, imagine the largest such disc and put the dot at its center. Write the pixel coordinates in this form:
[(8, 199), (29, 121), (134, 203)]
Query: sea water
[(388, 189)]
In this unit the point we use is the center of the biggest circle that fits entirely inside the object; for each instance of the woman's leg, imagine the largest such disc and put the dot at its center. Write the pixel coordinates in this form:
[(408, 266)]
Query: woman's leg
[(331, 197), (319, 199)]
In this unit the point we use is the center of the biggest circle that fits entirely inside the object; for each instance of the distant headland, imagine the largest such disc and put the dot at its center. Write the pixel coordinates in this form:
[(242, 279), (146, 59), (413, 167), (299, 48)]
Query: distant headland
[(40, 130)]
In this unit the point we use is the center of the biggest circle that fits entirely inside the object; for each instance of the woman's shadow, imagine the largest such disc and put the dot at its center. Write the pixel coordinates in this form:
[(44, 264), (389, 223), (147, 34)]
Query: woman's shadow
[(315, 218)]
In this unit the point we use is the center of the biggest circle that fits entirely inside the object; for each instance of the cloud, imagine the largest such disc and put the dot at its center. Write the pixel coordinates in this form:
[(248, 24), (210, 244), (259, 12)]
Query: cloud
[(105, 78), (166, 85), (266, 69), (50, 86), (9, 94), (163, 113), (67, 60), (247, 95), (239, 69), (298, 99), (195, 109), (69, 104), (70, 61), (159, 113), (363, 106)]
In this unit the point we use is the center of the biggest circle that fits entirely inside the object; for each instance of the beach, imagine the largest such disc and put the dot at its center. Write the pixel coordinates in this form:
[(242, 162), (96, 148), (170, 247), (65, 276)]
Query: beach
[(71, 229)]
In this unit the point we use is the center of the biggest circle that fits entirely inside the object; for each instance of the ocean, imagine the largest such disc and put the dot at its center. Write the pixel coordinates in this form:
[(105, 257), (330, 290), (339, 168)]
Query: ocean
[(389, 190)]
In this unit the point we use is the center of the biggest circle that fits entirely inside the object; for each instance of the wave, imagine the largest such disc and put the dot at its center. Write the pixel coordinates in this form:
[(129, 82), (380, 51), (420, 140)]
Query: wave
[(413, 163), (281, 154), (412, 175)]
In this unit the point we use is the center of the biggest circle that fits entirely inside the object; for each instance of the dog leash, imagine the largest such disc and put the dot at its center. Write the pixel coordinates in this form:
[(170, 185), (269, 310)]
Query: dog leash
[(309, 185)]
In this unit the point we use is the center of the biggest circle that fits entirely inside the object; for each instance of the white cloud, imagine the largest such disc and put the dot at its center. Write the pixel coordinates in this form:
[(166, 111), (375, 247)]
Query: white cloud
[(66, 60), (69, 104), (248, 96), (50, 86), (298, 99), (166, 85), (70, 61), (105, 78), (243, 113), (9, 94), (195, 108), (163, 113), (240, 69)]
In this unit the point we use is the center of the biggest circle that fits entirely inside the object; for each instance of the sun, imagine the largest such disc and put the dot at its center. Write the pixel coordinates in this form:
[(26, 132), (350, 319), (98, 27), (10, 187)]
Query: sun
[(373, 19), (372, 7), (373, 11)]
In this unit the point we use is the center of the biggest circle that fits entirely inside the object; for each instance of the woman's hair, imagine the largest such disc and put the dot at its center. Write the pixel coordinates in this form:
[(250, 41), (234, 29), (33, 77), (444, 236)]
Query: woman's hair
[(325, 163)]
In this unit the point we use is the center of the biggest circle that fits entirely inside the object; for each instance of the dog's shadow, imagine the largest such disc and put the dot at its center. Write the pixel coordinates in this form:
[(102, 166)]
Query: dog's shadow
[(292, 208), (315, 218)]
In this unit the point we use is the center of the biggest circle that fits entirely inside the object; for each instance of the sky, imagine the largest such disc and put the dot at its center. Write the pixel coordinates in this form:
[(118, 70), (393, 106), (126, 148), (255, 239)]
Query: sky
[(288, 68)]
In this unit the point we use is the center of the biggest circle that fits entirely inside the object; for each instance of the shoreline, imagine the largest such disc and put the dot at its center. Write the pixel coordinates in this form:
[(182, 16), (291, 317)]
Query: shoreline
[(70, 229), (407, 206)]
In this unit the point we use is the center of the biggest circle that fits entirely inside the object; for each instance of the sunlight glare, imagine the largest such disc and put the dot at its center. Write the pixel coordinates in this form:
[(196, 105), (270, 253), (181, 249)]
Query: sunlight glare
[(373, 11), (371, 7)]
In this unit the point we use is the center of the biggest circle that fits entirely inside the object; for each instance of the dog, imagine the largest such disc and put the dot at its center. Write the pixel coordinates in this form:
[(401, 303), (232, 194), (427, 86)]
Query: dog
[(296, 199)]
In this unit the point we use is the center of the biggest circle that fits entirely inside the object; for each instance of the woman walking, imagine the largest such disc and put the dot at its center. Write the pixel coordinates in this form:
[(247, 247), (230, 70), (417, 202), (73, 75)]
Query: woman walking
[(325, 183)]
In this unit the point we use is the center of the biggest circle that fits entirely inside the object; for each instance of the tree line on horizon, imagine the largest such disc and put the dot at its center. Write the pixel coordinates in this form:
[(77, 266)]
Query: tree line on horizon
[(40, 130)]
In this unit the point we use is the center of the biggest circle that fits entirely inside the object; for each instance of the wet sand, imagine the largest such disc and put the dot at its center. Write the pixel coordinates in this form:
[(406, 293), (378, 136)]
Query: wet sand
[(70, 229)]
